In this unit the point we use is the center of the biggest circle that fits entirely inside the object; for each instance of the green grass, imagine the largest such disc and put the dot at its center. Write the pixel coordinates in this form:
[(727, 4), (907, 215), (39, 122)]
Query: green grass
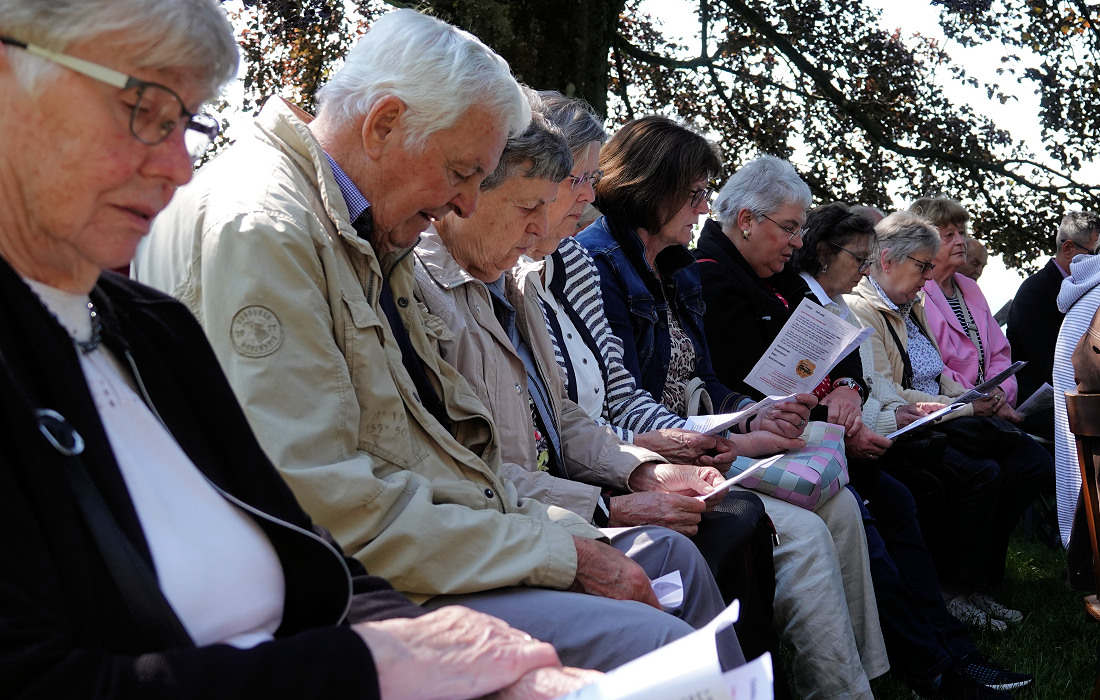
[(1057, 640)]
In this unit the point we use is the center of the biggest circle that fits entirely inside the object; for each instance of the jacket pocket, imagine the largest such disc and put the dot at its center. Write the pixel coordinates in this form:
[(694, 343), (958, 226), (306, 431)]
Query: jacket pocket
[(384, 430)]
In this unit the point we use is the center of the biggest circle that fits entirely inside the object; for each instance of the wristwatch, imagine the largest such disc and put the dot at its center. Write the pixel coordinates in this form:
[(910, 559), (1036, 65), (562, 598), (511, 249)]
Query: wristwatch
[(852, 384)]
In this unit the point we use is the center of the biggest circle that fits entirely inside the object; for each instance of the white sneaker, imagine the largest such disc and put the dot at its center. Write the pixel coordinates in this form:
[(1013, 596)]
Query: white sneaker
[(994, 609), (961, 607)]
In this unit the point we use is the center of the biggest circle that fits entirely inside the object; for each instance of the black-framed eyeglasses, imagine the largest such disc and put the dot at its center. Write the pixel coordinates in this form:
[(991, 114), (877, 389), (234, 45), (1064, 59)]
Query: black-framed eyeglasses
[(157, 109), (796, 231), (1078, 245), (697, 196), (925, 267), (864, 263), (578, 180)]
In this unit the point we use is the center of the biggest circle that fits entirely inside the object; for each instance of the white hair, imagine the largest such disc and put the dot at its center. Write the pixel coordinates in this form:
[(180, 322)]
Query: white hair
[(437, 70), (761, 186), (193, 36)]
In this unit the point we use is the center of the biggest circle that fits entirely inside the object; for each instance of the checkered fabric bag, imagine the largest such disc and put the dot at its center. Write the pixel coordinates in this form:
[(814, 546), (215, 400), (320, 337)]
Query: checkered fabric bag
[(808, 477)]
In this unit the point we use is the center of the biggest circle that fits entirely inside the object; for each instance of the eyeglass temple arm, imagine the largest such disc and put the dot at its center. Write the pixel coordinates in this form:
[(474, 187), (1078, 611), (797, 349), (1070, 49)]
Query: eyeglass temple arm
[(92, 70)]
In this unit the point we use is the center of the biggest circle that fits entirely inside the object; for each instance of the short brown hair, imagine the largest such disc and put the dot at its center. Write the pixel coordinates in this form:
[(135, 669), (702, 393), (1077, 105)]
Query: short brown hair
[(649, 166), (941, 211)]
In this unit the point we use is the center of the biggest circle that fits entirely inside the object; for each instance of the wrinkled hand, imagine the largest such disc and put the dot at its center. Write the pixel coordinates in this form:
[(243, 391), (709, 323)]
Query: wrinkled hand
[(688, 446), (908, 413), (547, 683), (761, 443), (985, 406), (866, 444), (671, 510), (604, 571), (683, 479), (845, 409), (788, 418), (453, 652), (1008, 413)]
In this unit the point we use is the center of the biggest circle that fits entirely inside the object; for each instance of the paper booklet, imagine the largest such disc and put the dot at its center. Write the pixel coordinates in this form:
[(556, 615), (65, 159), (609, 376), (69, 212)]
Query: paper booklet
[(983, 389), (720, 421), (686, 669), (978, 392), (812, 342), (1041, 400), (725, 485)]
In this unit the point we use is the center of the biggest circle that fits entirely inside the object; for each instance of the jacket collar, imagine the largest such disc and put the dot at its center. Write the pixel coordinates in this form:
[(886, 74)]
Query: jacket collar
[(439, 263), (716, 245), (669, 261)]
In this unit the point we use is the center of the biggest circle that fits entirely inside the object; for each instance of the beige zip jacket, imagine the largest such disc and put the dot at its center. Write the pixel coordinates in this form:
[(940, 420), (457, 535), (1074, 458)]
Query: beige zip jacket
[(866, 305), (260, 248), (480, 349)]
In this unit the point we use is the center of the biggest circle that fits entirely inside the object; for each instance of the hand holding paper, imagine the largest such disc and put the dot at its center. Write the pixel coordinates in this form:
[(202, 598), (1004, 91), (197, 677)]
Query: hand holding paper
[(812, 342), (686, 669)]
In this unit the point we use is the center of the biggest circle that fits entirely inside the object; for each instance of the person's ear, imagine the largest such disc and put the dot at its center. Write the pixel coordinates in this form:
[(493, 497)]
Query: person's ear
[(884, 260), (382, 125), (744, 221)]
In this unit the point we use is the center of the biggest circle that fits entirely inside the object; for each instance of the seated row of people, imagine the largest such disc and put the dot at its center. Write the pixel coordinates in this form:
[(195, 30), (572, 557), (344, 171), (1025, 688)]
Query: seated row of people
[(424, 405), (152, 549)]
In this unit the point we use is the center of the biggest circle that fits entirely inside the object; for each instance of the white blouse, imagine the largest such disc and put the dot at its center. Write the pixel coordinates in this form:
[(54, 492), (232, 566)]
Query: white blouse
[(215, 565)]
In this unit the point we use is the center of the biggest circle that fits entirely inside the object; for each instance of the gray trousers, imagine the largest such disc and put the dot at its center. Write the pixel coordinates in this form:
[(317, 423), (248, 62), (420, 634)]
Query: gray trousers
[(593, 632)]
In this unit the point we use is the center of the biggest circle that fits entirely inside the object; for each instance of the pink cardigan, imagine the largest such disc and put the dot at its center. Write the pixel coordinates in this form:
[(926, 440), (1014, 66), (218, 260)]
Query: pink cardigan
[(960, 357)]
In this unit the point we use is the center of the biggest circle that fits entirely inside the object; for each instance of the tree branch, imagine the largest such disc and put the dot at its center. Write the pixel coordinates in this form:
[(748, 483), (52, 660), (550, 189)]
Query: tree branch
[(701, 61), (873, 129)]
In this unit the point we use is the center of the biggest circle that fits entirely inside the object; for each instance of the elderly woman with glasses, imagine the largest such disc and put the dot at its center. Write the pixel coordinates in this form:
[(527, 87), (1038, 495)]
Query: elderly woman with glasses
[(654, 189), (928, 647), (749, 290), (151, 549), (970, 339), (989, 467)]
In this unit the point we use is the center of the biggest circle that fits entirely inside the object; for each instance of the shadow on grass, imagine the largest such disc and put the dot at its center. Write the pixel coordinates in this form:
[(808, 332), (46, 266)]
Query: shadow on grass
[(1056, 642)]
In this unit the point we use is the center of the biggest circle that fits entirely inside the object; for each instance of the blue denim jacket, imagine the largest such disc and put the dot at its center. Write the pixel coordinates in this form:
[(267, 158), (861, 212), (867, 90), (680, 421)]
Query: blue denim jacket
[(636, 303)]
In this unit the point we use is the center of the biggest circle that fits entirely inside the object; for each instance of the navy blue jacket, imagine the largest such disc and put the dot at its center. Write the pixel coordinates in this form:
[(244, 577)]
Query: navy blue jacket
[(637, 302)]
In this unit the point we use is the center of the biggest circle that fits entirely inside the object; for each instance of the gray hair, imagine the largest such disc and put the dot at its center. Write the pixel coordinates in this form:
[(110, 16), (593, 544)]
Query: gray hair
[(873, 213), (761, 186), (189, 35), (577, 120), (437, 70), (905, 233), (540, 151), (1078, 226)]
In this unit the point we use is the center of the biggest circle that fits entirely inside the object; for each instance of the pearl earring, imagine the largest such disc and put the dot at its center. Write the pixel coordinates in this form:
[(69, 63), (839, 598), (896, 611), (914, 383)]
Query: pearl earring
[(745, 234)]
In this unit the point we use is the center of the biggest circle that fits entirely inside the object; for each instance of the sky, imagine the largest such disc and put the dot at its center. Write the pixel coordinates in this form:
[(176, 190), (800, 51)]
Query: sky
[(918, 16)]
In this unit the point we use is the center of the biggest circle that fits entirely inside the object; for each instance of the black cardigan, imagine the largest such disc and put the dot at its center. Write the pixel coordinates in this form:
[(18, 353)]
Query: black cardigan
[(743, 316), (65, 630)]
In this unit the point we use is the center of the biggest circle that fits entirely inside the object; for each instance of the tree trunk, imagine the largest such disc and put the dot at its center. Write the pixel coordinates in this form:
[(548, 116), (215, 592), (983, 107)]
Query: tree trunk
[(561, 45)]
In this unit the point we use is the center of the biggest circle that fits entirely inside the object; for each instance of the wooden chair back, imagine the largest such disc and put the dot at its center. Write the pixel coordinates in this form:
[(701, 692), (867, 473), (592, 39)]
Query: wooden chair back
[(1084, 423)]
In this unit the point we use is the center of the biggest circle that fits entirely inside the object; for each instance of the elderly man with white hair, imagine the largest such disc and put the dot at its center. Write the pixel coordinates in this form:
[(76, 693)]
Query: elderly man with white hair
[(293, 248)]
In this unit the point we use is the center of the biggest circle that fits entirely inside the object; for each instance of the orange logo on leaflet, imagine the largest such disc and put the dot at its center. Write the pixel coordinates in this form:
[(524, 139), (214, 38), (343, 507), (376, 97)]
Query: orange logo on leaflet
[(804, 368)]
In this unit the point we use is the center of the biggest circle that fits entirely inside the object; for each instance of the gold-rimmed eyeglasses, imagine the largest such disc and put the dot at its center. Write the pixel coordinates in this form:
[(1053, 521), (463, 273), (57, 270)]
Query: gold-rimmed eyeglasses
[(578, 180), (157, 110), (796, 231)]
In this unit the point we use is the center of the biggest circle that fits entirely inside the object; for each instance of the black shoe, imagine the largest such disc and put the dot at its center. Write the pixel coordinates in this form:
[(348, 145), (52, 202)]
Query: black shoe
[(990, 674), (956, 685)]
